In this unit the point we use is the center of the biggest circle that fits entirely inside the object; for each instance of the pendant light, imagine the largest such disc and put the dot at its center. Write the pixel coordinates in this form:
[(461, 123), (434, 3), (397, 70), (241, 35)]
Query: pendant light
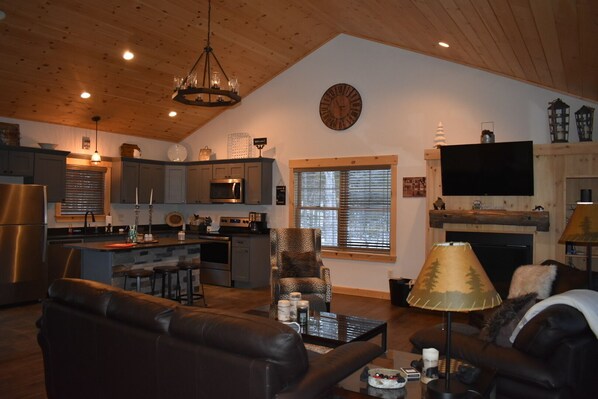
[(96, 158), (209, 93)]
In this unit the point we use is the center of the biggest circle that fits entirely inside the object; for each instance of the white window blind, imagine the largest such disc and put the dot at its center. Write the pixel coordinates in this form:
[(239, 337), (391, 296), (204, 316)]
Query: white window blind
[(84, 191), (352, 206)]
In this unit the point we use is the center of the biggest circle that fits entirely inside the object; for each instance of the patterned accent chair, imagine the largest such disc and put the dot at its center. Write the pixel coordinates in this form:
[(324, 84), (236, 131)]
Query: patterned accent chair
[(296, 265)]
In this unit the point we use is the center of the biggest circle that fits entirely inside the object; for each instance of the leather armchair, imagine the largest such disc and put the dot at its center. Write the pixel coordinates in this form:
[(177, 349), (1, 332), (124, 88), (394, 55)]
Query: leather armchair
[(296, 265), (553, 356)]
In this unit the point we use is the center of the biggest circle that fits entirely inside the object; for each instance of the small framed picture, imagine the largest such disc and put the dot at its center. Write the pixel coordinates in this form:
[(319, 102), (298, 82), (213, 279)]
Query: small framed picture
[(414, 186)]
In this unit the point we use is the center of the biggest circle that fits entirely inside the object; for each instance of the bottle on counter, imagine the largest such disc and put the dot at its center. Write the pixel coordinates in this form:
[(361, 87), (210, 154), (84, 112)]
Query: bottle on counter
[(181, 235)]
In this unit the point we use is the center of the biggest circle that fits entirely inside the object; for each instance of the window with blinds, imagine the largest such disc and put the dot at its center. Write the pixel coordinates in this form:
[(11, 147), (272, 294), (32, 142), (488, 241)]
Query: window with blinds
[(84, 190), (352, 205)]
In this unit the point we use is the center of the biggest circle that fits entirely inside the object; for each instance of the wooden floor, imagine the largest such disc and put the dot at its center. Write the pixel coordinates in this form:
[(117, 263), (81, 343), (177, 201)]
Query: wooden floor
[(21, 368)]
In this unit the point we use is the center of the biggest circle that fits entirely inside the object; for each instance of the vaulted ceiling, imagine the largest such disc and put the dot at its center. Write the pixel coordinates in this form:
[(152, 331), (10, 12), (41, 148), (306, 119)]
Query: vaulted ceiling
[(52, 50)]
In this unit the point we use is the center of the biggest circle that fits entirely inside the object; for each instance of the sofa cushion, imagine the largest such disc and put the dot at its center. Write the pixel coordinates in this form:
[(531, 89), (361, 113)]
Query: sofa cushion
[(141, 310), (502, 322), (243, 334), (299, 264), (83, 294), (542, 334), (532, 278)]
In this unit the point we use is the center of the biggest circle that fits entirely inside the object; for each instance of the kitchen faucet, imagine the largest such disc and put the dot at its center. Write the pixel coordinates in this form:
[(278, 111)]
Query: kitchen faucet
[(93, 219)]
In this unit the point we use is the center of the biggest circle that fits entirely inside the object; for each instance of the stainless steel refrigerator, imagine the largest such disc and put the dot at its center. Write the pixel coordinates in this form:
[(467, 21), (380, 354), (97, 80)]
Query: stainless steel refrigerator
[(23, 229)]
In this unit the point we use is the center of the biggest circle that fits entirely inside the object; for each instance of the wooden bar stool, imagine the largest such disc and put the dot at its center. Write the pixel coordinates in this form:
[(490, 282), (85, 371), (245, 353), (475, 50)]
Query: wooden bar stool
[(166, 272), (138, 274), (191, 295)]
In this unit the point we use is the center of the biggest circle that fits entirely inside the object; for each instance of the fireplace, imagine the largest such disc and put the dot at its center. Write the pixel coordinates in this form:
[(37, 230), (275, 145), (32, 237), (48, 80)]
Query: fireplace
[(499, 253)]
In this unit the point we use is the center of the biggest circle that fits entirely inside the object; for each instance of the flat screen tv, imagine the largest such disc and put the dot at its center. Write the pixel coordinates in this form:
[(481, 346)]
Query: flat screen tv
[(503, 169)]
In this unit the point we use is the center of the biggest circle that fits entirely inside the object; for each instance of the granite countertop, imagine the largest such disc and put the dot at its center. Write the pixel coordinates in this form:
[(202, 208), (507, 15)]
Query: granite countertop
[(121, 245), (77, 232)]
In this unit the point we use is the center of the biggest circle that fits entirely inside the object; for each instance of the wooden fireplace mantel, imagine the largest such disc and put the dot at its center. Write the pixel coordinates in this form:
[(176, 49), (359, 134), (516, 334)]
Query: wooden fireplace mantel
[(539, 219)]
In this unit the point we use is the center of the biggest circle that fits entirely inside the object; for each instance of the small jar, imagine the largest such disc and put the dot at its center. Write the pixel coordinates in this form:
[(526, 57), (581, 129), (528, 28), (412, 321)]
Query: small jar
[(284, 310), (181, 235), (294, 297), (303, 314)]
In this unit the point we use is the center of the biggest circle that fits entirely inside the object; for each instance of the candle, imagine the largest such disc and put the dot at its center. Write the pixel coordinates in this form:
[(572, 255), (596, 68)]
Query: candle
[(136, 196), (151, 195)]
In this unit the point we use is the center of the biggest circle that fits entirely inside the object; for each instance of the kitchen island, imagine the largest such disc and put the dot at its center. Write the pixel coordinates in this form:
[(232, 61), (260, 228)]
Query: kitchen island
[(106, 261)]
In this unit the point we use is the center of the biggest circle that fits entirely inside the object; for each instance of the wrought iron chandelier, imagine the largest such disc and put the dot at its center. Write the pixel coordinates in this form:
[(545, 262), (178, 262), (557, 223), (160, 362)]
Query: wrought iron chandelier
[(210, 93)]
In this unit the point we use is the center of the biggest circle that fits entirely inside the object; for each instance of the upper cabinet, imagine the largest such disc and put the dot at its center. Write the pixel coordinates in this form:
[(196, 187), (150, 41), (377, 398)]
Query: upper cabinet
[(258, 182), (198, 183), (37, 166), (228, 171), (50, 170), (175, 184), (14, 162), (188, 182), (134, 179)]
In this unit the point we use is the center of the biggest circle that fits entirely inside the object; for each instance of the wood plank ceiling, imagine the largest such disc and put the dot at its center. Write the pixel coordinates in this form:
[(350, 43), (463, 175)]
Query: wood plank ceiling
[(52, 50)]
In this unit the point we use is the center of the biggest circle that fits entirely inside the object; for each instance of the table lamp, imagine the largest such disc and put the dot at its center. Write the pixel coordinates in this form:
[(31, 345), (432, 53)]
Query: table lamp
[(452, 280), (582, 229)]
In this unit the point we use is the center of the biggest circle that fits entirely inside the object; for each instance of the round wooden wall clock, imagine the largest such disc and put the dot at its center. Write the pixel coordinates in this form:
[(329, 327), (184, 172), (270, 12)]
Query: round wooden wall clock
[(340, 106)]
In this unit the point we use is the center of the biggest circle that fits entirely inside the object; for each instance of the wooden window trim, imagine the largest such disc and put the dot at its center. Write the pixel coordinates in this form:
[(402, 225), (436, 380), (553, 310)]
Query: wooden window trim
[(349, 163)]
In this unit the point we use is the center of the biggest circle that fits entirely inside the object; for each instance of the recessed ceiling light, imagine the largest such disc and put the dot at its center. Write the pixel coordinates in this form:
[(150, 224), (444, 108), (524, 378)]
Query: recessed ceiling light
[(85, 95), (172, 114), (443, 44), (127, 55)]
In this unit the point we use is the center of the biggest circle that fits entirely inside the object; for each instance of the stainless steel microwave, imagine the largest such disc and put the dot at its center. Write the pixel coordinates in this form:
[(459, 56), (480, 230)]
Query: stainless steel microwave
[(226, 191)]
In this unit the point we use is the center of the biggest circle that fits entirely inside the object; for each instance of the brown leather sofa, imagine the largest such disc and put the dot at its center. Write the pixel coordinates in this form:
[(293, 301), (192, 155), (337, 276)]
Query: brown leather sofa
[(554, 356), (102, 342)]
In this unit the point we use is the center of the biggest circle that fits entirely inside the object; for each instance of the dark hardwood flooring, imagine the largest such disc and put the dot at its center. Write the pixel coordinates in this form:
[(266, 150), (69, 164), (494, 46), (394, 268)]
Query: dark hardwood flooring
[(21, 367)]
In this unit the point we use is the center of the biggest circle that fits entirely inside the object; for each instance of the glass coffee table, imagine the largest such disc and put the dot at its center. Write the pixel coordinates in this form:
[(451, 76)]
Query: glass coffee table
[(332, 329), (355, 386)]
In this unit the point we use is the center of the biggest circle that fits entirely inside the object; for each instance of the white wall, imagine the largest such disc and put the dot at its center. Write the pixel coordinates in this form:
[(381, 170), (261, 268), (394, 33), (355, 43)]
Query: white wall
[(404, 95)]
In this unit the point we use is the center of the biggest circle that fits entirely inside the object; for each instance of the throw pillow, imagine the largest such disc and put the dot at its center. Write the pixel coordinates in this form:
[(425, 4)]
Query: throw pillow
[(532, 278), (502, 322), (299, 264)]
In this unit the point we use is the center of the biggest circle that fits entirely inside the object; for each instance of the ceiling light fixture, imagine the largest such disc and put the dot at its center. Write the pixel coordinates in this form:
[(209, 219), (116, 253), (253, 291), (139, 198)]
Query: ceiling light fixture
[(96, 158), (172, 114), (188, 91), (127, 55), (85, 95), (443, 44)]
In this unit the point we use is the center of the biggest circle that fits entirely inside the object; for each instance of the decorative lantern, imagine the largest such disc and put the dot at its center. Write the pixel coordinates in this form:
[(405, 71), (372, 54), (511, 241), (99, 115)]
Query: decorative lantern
[(558, 121), (584, 119)]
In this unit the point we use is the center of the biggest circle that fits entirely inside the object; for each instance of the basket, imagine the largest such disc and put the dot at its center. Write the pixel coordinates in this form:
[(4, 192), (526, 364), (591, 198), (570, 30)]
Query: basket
[(239, 145), (205, 153), (128, 150), (10, 134)]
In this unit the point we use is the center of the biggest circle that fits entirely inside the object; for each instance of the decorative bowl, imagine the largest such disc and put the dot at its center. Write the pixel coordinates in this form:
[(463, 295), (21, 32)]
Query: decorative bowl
[(385, 379), (48, 146)]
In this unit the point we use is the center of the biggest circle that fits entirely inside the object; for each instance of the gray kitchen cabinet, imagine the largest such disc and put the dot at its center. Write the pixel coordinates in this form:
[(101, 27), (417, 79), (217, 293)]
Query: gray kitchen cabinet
[(175, 184), (151, 177), (130, 175), (125, 179), (16, 163), (198, 183), (50, 171), (250, 261), (258, 182), (229, 171)]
